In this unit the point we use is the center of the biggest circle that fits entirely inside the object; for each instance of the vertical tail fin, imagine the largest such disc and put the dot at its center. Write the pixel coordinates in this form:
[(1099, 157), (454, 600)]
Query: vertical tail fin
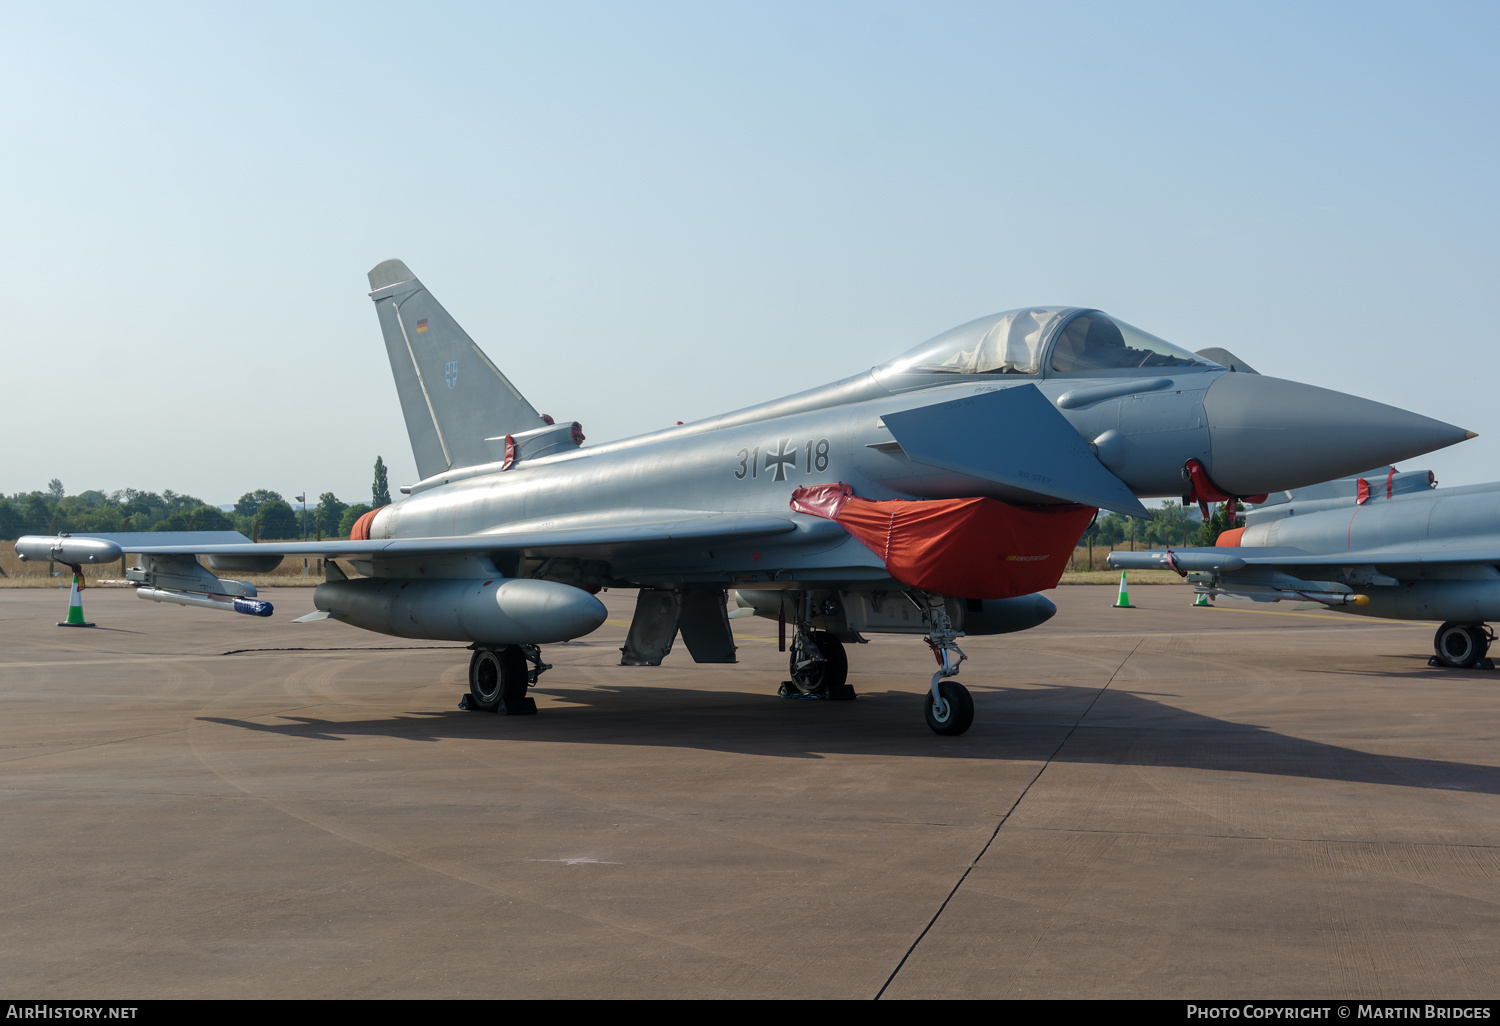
[(452, 396)]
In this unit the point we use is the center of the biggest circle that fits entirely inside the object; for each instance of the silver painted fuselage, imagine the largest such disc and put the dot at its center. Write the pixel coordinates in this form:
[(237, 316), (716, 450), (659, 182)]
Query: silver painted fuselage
[(1441, 549), (752, 460)]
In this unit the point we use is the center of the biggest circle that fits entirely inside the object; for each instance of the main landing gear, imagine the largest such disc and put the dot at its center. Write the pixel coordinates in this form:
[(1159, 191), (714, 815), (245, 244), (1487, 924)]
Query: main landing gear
[(1462, 646), (499, 677), (819, 666)]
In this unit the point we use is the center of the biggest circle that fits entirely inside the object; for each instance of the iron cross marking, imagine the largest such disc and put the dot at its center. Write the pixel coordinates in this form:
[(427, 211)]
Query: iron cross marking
[(777, 462)]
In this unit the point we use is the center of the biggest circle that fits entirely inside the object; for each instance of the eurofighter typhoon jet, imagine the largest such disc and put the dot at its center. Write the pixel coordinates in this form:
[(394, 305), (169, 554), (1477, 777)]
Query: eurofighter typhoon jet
[(1385, 544), (933, 495)]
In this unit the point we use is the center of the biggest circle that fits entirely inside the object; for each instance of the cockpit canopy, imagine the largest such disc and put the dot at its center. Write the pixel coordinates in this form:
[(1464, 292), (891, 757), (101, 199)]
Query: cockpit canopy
[(1064, 340)]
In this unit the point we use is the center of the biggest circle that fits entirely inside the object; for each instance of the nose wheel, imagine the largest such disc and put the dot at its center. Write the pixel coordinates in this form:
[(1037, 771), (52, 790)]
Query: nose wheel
[(949, 707), (952, 710)]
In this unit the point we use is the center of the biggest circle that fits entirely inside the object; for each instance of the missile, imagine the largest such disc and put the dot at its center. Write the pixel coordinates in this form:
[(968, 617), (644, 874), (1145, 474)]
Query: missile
[(497, 611), (1254, 593), (1333, 598), (230, 603)]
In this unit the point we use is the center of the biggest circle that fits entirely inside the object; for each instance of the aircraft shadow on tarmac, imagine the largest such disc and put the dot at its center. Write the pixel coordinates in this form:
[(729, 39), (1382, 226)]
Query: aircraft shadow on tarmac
[(1015, 724)]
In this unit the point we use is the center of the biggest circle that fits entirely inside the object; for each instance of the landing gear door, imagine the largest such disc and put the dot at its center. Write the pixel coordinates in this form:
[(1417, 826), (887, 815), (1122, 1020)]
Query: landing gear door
[(653, 628), (705, 625)]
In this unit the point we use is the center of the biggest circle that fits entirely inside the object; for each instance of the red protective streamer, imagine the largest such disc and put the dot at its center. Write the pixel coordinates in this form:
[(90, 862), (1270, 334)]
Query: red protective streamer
[(1203, 491), (970, 548)]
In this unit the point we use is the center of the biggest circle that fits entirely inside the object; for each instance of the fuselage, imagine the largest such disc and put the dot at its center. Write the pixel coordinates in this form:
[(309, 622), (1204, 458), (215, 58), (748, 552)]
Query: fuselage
[(1036, 406), (1144, 428), (751, 461), (1442, 549)]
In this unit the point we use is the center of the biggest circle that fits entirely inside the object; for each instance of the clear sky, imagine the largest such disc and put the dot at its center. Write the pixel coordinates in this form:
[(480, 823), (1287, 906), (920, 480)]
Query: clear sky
[(648, 213)]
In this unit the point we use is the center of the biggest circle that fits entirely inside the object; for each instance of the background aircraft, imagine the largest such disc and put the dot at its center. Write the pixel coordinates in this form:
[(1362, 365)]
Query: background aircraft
[(1384, 544), (932, 495)]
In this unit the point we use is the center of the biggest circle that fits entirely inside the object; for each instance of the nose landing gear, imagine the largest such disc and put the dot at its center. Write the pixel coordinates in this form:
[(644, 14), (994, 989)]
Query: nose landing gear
[(949, 706)]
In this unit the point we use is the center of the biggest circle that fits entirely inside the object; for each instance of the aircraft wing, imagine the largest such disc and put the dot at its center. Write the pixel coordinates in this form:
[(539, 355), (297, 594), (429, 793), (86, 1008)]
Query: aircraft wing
[(1229, 559), (1272, 574), (606, 531)]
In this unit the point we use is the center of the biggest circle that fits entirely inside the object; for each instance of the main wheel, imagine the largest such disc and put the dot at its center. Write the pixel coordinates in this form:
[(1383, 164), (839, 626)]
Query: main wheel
[(486, 680), (1481, 636), (1459, 644), (497, 677), (956, 712), (818, 676), (513, 674)]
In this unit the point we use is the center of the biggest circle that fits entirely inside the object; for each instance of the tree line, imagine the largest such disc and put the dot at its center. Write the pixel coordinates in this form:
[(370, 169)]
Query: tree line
[(1173, 526), (263, 515)]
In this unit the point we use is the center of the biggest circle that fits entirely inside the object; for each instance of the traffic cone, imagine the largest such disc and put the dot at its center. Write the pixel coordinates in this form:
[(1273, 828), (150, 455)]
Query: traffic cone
[(1201, 601), (1123, 602), (75, 608)]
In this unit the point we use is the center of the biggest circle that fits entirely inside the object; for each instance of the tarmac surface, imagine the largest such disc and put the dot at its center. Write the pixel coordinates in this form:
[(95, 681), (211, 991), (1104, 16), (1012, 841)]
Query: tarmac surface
[(1168, 802)]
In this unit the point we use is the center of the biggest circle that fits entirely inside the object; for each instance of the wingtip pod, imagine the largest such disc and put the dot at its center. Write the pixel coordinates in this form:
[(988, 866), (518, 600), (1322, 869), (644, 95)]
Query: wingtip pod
[(64, 549)]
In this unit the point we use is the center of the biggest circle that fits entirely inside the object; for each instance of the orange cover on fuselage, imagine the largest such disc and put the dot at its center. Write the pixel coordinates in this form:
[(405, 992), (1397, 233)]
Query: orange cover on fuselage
[(970, 548)]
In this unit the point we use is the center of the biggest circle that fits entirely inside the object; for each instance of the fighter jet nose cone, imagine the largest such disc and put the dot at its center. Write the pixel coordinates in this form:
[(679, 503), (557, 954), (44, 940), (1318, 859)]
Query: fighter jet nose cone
[(1268, 434)]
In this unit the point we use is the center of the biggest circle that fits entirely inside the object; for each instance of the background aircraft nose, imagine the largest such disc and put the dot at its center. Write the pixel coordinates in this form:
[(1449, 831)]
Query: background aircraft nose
[(1267, 434)]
